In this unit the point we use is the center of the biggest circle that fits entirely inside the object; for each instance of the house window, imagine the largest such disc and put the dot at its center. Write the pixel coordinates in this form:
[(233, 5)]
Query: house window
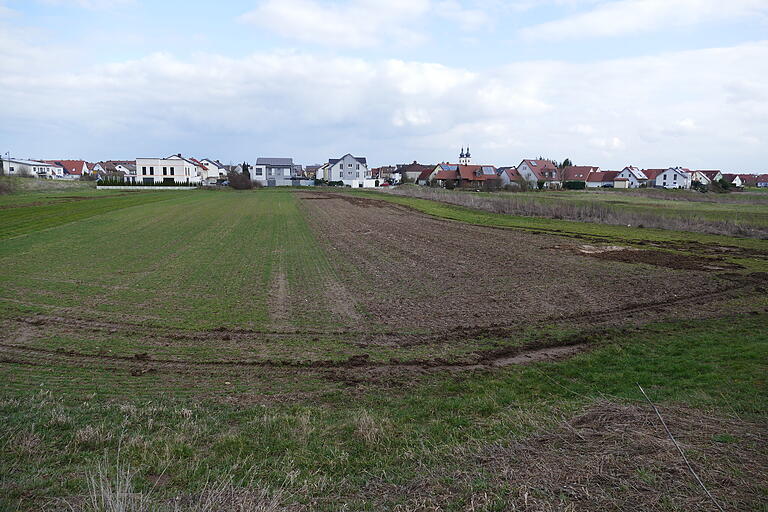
[(349, 166), (143, 170), (358, 166), (172, 171), (165, 171), (151, 170), (357, 175)]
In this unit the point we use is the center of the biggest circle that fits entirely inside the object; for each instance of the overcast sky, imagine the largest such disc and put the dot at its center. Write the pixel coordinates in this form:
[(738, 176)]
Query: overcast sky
[(651, 83)]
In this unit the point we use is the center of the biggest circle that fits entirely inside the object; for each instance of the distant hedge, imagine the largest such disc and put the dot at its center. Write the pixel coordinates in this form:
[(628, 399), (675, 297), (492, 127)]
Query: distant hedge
[(123, 183), (575, 185)]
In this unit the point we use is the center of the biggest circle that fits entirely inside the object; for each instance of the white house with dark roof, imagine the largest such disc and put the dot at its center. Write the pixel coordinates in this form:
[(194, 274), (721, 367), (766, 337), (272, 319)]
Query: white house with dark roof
[(634, 177), (274, 172), (674, 177), (214, 170), (351, 170), (174, 169)]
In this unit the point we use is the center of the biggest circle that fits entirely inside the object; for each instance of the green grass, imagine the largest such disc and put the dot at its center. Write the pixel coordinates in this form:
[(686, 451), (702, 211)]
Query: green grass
[(715, 365), (189, 262), (26, 213)]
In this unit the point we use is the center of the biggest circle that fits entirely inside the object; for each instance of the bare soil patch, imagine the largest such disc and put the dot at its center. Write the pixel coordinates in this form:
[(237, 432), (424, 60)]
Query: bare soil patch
[(657, 258), (443, 275)]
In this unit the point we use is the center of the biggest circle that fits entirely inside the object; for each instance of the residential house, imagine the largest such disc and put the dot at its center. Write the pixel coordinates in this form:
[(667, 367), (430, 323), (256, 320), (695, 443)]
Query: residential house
[(478, 176), (351, 170), (604, 179), (632, 177), (174, 169), (73, 169), (214, 171), (117, 169), (708, 177), (274, 172), (424, 177), (762, 181), (540, 171), (674, 177), (410, 173), (652, 174), (445, 175), (465, 176), (577, 172), (311, 171), (733, 179), (32, 168), (233, 168), (748, 180), (508, 176)]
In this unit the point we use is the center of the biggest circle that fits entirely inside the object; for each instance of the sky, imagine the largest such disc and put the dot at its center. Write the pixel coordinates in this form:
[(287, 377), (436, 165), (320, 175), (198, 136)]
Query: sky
[(651, 83)]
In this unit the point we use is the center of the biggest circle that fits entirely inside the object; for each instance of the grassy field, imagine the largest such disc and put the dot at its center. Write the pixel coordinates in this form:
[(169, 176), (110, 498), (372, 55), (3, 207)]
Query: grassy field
[(190, 346), (738, 213)]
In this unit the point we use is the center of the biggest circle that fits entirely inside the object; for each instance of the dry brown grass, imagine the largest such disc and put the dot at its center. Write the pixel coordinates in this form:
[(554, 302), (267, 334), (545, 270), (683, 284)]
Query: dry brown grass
[(612, 457), (112, 489), (520, 204)]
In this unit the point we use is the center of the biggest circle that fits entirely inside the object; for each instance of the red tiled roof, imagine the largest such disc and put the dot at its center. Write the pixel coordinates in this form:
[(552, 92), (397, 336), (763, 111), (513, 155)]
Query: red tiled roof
[(709, 174), (748, 179), (425, 173), (652, 173), (601, 176), (511, 172), (447, 175), (475, 173), (539, 166), (577, 172), (70, 166)]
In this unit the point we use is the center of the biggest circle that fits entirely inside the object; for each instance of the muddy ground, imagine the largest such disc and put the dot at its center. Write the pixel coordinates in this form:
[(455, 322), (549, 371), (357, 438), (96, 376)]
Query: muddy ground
[(409, 270)]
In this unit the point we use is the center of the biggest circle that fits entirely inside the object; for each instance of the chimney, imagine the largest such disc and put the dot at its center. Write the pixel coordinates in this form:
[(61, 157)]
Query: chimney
[(179, 155)]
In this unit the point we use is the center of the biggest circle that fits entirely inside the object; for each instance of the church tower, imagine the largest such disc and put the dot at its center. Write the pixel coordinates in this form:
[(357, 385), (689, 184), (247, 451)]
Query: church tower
[(464, 157)]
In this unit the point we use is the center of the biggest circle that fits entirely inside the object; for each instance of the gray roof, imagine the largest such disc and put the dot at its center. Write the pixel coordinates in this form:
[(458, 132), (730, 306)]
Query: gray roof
[(361, 159), (283, 162)]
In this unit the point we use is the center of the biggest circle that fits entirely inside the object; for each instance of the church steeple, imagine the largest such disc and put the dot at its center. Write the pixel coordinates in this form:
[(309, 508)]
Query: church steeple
[(464, 156)]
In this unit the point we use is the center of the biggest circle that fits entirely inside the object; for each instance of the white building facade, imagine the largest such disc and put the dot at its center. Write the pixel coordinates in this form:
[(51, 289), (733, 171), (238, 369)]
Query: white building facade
[(674, 177), (634, 176), (32, 169), (351, 170), (174, 169), (214, 171)]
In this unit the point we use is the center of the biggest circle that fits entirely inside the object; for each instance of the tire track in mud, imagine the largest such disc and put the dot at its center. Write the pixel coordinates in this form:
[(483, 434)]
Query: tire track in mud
[(19, 353), (739, 283)]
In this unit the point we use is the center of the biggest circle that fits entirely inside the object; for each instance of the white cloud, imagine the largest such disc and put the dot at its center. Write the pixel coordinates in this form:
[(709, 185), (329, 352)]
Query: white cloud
[(362, 23), (616, 18), (91, 4), (353, 23), (467, 19), (692, 108)]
